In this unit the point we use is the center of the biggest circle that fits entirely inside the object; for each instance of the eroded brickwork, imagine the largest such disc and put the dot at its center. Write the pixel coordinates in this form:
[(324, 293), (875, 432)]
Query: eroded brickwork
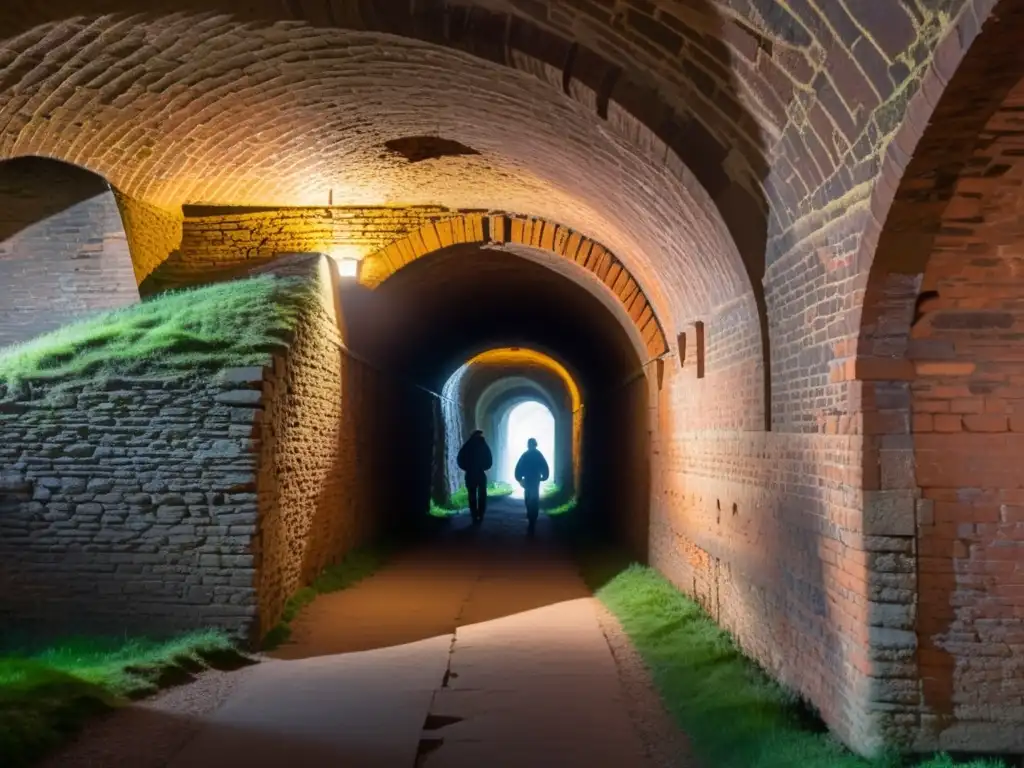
[(156, 506), (63, 251), (740, 159)]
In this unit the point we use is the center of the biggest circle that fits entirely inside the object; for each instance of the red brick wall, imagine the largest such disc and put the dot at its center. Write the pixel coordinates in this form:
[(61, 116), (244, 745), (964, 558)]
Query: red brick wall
[(968, 422), (797, 539), (786, 125), (63, 251), (216, 234)]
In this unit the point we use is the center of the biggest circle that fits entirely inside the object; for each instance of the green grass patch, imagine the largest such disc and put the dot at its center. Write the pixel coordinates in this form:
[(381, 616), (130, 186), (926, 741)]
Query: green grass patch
[(355, 567), (556, 502), (202, 329), (47, 693), (734, 714), (559, 509), (460, 499)]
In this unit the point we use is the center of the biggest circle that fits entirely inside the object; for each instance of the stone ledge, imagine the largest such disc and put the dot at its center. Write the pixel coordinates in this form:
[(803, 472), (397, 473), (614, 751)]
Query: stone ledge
[(248, 397)]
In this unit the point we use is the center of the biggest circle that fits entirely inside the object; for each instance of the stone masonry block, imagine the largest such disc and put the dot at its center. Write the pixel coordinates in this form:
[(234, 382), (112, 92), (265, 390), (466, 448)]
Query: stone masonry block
[(889, 513)]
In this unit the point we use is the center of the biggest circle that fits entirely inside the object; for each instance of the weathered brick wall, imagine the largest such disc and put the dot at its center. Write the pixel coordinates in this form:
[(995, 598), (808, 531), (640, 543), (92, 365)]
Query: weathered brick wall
[(212, 236), (154, 234), (63, 251), (129, 507), (786, 117), (812, 567), (316, 493), (967, 400)]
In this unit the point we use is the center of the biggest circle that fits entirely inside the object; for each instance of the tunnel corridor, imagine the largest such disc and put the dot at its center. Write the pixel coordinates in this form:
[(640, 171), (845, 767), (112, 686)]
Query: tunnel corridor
[(492, 315), (265, 266)]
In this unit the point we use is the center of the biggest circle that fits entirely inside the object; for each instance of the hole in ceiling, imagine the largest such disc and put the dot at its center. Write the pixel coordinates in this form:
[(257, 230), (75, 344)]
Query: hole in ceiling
[(418, 148)]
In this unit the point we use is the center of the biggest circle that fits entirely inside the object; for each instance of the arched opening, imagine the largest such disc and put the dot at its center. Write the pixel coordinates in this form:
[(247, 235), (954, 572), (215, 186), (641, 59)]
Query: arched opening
[(63, 250), (418, 320), (526, 420), (939, 364)]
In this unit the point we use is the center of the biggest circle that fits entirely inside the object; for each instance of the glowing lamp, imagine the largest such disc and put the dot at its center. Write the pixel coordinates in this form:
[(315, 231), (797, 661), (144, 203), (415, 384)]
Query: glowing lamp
[(348, 267)]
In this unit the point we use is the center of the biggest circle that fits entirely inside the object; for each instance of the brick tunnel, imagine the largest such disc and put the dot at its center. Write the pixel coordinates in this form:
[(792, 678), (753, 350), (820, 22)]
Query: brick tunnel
[(761, 261)]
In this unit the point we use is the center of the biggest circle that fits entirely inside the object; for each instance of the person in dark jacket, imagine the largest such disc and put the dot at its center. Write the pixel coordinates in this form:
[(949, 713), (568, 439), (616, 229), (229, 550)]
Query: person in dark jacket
[(531, 471), (475, 459)]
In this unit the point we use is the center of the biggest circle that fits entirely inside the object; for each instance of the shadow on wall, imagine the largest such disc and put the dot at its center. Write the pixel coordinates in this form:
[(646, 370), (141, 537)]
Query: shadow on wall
[(406, 414), (616, 475), (63, 250)]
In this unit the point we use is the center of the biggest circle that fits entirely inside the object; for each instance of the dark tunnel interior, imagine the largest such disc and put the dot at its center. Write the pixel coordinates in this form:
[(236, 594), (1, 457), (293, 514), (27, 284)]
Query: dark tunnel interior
[(436, 313)]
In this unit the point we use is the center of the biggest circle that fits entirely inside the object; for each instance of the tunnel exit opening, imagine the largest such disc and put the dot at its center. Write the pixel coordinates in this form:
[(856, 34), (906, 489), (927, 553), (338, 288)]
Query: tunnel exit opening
[(523, 421)]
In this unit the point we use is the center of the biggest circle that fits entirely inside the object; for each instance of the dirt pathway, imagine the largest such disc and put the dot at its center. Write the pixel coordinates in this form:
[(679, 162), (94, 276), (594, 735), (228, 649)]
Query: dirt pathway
[(482, 648)]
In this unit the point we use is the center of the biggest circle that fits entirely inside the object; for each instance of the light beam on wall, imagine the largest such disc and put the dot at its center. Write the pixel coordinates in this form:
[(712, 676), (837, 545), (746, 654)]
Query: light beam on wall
[(526, 420)]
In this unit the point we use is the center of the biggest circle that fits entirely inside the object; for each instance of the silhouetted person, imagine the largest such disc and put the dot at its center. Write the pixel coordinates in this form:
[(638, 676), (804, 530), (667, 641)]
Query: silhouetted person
[(531, 471), (475, 459)]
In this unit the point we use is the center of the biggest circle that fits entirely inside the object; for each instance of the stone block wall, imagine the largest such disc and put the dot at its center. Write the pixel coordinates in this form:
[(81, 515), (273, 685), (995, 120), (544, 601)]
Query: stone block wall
[(160, 505), (129, 506), (63, 250)]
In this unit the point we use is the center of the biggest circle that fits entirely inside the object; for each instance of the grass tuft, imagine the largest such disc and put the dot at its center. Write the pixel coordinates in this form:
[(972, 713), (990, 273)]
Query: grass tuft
[(556, 502), (460, 499), (202, 329), (46, 694), (355, 567), (734, 714)]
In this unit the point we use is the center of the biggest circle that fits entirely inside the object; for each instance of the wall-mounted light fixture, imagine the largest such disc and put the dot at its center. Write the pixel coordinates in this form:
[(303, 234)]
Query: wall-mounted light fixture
[(348, 268)]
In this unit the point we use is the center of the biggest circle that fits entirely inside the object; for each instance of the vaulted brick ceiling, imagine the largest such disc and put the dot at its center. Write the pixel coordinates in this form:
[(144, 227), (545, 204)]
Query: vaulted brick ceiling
[(659, 128)]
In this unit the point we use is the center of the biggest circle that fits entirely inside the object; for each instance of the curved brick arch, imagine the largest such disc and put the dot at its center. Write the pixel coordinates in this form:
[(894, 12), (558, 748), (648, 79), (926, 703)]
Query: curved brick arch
[(689, 117), (933, 144), (491, 382), (641, 152), (935, 362), (529, 232)]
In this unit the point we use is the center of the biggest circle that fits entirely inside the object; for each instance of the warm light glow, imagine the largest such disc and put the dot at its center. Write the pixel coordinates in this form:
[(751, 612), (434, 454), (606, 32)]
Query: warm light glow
[(519, 356), (339, 251), (348, 268), (526, 420)]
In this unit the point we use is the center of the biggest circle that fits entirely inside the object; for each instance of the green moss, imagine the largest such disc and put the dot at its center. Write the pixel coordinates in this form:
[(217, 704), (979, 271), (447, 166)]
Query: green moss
[(355, 567), (202, 329), (734, 715), (46, 694)]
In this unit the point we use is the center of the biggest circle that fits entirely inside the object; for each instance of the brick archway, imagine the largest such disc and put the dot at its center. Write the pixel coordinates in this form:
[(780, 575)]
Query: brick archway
[(935, 371), (529, 232)]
